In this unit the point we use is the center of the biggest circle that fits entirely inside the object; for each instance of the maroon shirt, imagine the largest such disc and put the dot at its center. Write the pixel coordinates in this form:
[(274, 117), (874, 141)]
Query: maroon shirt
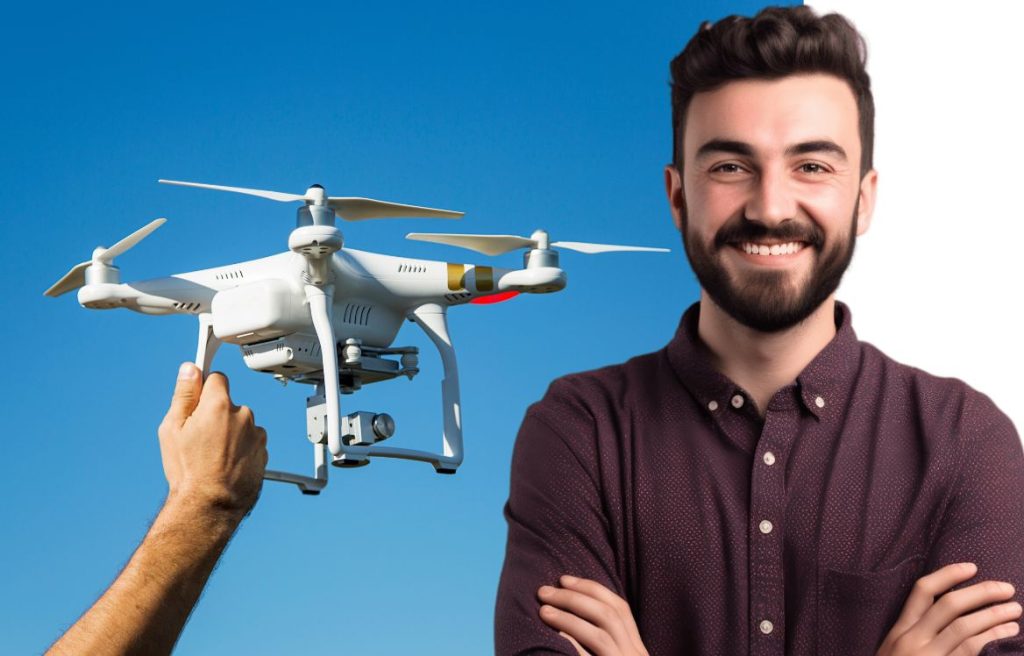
[(801, 533)]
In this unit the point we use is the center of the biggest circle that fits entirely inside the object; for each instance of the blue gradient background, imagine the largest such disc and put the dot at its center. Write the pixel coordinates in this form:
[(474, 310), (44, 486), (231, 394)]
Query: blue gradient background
[(526, 117)]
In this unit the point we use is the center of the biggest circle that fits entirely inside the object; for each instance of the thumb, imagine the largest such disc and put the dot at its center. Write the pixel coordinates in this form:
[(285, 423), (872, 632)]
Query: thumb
[(186, 393)]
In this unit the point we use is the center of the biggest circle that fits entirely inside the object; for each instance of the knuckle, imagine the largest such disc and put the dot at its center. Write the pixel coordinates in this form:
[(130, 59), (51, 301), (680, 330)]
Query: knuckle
[(905, 643), (960, 629), (605, 642), (923, 587), (219, 403), (968, 648)]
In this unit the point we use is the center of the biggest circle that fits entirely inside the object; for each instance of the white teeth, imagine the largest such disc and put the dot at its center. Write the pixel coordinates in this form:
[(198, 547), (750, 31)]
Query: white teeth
[(774, 249)]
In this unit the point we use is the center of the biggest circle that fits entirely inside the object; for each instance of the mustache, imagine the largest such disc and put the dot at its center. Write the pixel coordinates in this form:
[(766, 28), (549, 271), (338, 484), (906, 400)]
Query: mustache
[(743, 229)]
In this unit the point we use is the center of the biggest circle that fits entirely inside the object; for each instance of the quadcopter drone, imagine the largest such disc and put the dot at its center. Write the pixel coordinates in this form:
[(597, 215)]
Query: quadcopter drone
[(326, 315)]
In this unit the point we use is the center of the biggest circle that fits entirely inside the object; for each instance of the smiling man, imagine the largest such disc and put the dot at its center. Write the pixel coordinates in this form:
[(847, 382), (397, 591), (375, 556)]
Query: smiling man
[(766, 483)]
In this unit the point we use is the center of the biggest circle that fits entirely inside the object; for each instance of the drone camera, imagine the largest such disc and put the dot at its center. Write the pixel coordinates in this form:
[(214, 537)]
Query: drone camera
[(366, 428)]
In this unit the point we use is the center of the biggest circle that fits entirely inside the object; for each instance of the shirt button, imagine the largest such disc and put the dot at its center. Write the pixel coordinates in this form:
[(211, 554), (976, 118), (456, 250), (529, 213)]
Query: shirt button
[(737, 401), (766, 627), (712, 405), (820, 402), (769, 458), (765, 526)]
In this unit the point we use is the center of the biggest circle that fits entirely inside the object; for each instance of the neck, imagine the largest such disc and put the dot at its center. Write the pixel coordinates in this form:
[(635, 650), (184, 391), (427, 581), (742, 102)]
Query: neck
[(762, 363)]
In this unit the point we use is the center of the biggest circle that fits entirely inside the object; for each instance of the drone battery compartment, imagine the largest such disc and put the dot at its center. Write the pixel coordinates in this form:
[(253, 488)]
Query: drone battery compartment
[(258, 311)]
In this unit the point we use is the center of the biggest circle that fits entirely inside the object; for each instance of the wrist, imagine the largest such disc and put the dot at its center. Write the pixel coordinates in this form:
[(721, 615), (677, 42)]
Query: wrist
[(209, 511)]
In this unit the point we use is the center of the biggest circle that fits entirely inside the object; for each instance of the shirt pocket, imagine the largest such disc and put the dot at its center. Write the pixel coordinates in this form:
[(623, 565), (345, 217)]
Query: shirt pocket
[(857, 609)]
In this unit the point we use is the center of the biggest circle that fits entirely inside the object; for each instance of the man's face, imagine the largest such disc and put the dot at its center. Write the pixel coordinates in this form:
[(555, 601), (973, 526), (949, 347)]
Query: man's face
[(770, 199)]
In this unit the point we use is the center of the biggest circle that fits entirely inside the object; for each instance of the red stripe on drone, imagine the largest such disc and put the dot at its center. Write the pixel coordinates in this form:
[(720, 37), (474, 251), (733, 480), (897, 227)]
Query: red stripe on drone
[(494, 298)]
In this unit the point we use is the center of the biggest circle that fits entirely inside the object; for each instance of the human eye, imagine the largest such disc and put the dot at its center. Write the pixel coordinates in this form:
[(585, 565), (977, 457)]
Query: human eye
[(727, 168), (813, 168)]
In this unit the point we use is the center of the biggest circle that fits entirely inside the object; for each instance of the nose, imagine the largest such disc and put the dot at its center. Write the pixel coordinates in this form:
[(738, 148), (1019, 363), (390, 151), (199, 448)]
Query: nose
[(772, 200)]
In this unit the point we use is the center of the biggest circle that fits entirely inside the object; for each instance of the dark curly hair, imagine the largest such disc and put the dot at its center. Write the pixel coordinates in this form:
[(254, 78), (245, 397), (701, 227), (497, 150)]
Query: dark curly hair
[(777, 42)]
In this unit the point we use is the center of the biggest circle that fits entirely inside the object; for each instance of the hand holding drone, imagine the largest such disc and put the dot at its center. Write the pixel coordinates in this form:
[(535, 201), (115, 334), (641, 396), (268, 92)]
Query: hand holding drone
[(327, 315)]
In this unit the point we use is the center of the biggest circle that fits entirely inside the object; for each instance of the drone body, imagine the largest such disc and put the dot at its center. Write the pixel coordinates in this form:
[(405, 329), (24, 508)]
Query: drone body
[(321, 307)]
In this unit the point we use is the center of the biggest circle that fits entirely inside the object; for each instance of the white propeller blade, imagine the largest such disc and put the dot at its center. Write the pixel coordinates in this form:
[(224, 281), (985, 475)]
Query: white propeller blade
[(75, 278), (498, 244), (489, 244), (348, 208), (359, 209), (584, 247), (120, 247), (272, 195)]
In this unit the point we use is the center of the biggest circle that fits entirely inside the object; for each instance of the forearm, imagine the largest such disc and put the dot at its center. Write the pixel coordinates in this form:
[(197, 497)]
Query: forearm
[(147, 606)]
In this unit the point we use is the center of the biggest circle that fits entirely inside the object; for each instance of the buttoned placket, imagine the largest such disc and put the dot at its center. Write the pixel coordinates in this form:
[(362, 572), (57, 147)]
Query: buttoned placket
[(766, 528)]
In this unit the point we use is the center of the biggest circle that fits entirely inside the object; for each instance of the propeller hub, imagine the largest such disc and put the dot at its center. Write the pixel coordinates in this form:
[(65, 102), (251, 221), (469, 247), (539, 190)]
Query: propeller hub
[(541, 237), (316, 195)]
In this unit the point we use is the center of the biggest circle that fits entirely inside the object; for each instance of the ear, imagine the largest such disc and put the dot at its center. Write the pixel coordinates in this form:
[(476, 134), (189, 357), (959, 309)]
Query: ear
[(674, 191), (868, 191)]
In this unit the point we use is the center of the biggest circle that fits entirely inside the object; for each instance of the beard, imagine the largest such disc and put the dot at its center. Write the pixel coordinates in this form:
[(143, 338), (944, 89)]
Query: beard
[(768, 300)]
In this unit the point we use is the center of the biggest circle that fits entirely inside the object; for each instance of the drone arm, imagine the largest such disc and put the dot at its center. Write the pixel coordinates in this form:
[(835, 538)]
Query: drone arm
[(208, 344), (432, 319), (320, 300)]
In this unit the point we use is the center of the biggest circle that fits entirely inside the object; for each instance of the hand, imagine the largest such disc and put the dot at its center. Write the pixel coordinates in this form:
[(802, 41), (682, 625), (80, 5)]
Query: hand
[(591, 616), (213, 453), (934, 628)]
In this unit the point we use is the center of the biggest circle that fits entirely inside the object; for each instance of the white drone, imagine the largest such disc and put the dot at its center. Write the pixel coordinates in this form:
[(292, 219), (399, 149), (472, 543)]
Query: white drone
[(326, 315)]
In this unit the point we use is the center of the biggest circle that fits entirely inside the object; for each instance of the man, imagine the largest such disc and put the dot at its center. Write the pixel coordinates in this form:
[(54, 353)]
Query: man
[(765, 484), (214, 457)]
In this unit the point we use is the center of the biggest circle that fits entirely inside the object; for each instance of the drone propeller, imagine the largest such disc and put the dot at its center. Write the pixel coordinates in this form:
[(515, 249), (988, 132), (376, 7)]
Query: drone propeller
[(498, 244), (350, 208), (75, 278)]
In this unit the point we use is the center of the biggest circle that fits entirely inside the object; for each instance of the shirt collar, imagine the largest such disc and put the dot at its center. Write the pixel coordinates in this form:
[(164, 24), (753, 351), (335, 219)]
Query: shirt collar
[(821, 386)]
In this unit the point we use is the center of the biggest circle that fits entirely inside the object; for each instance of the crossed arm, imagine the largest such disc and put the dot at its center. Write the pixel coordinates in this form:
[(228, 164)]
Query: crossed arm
[(597, 621), (948, 611), (214, 456)]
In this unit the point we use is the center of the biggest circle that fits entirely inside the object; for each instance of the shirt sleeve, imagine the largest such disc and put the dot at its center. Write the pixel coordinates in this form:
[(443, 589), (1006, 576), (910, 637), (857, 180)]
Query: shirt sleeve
[(984, 520), (556, 522)]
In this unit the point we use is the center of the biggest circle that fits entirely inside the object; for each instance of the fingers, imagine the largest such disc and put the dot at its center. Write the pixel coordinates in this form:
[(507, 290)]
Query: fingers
[(923, 594), (954, 604), (592, 614), (610, 599), (595, 640), (187, 391), (580, 651), (977, 643), (216, 392), (980, 627), (946, 625)]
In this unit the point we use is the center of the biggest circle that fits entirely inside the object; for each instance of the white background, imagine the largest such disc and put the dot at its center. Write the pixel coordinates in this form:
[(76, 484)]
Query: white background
[(936, 280)]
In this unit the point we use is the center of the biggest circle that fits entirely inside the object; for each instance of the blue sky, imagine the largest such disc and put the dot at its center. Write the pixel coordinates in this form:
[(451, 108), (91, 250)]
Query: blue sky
[(551, 115)]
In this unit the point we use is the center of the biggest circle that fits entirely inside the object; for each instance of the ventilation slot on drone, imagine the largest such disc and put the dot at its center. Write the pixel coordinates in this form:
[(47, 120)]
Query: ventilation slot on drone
[(457, 298), (411, 268), (230, 275), (357, 314)]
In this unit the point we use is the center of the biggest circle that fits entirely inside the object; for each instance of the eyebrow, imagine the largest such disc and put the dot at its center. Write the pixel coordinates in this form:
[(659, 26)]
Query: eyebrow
[(746, 150)]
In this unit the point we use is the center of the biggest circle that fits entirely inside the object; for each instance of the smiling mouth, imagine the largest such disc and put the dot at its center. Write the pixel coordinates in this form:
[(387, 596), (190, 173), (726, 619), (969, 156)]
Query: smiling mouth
[(757, 248)]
